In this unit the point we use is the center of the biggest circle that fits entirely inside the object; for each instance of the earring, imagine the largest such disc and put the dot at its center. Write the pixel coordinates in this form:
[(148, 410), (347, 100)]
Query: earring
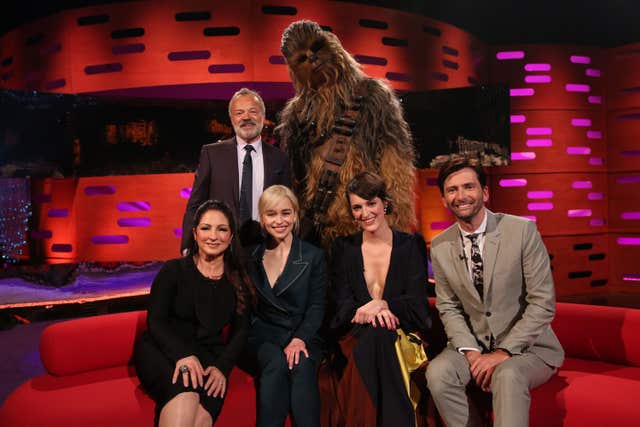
[(386, 208)]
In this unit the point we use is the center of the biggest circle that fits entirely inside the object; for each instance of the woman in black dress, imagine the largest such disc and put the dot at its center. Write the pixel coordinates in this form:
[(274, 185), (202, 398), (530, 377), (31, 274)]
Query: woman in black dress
[(290, 279), (183, 361), (379, 282)]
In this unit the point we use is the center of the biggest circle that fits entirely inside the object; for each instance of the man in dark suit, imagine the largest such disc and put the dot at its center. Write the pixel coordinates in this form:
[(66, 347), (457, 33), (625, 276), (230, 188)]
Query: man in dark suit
[(496, 299), (237, 170)]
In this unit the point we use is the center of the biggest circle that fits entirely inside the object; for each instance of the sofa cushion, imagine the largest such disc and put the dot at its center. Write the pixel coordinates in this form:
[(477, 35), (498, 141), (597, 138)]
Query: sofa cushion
[(106, 398), (608, 334), (588, 393), (89, 343)]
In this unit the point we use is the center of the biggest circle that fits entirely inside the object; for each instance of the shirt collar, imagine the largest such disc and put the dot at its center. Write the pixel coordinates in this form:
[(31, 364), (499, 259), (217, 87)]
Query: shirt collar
[(241, 143), (480, 230)]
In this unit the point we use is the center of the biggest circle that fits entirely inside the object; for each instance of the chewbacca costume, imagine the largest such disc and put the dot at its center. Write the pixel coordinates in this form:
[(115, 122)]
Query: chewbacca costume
[(342, 121)]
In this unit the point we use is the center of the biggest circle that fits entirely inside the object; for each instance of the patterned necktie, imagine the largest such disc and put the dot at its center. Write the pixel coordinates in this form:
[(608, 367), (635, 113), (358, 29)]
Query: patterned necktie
[(246, 186), (476, 267)]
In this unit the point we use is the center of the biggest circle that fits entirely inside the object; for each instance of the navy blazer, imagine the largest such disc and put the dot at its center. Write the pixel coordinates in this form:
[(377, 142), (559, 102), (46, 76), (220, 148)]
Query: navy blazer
[(294, 307), (217, 178), (405, 287)]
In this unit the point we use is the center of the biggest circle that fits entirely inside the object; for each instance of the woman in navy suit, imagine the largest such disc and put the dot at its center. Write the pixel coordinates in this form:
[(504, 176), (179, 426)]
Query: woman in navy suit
[(290, 278)]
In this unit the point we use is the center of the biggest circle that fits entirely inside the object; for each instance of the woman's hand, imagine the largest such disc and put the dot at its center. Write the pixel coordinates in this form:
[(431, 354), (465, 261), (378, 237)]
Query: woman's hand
[(194, 371), (216, 384), (366, 313), (386, 319), (292, 351)]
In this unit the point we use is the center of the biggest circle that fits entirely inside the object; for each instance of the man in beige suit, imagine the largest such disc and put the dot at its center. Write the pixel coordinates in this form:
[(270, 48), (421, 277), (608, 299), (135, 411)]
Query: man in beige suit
[(496, 299)]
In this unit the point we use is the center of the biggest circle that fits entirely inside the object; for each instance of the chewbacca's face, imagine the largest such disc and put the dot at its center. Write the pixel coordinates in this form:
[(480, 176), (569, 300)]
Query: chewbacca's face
[(313, 62)]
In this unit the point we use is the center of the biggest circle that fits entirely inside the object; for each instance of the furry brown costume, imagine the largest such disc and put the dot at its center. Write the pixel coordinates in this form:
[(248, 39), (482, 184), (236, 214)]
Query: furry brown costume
[(327, 80)]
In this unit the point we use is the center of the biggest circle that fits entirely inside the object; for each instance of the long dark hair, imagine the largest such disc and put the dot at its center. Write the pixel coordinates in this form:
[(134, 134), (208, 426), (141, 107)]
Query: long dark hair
[(234, 269)]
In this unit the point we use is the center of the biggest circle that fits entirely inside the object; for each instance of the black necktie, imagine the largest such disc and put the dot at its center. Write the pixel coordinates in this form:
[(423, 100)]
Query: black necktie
[(246, 186), (476, 264)]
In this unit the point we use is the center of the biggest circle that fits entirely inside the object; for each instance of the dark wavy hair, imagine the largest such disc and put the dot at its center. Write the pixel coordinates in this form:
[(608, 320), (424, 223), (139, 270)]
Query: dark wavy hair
[(234, 269), (368, 185), (458, 163)]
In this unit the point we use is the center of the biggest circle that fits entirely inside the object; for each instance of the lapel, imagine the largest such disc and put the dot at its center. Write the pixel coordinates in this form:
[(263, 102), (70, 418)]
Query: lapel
[(490, 251), (460, 264), (231, 153), (267, 160), (260, 278), (293, 269)]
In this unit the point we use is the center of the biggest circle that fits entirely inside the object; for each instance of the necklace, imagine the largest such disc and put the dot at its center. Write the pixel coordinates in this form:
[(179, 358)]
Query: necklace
[(211, 276)]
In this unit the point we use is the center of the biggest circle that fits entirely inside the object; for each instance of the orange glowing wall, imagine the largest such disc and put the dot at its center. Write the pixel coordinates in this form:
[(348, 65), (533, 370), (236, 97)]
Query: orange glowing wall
[(575, 118)]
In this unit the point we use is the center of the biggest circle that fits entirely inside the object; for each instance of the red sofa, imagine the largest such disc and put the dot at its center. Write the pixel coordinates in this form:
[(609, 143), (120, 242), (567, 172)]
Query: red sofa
[(90, 382)]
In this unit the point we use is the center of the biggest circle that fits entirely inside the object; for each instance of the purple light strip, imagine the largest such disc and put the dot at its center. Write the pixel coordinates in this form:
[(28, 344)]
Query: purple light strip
[(594, 134), (579, 59), (526, 91), (516, 182), (596, 222), (578, 151), (177, 232), (592, 72), (518, 118), (539, 131), (628, 241), (512, 54), (630, 153), (523, 155), (432, 182), (185, 193), (537, 67), (580, 122), (134, 222), (540, 78), (114, 239), (576, 87), (41, 234), (134, 206), (62, 247), (579, 213), (581, 184), (595, 196), (58, 213), (539, 142), (630, 216), (631, 277), (99, 190), (440, 225), (540, 206), (629, 179), (596, 161), (542, 194), (531, 217), (594, 99)]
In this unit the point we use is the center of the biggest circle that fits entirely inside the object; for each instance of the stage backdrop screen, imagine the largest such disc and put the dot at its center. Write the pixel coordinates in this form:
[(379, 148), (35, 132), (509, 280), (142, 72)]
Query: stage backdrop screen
[(56, 135), (472, 121)]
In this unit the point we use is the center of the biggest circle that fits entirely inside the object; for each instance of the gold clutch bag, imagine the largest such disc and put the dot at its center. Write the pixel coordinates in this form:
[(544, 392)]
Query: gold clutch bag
[(411, 356)]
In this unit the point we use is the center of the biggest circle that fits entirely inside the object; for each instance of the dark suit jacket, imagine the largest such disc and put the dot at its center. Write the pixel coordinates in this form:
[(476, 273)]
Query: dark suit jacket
[(217, 178), (294, 307), (405, 287)]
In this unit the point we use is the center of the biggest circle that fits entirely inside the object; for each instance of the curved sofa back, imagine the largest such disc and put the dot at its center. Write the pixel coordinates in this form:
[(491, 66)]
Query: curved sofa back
[(90, 343)]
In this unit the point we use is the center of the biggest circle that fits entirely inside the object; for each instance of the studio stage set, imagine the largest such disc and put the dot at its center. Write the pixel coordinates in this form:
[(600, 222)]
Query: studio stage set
[(92, 194)]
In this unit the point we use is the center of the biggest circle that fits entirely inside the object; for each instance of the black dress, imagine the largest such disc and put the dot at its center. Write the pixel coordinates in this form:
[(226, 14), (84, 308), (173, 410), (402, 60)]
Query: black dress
[(187, 315), (367, 382)]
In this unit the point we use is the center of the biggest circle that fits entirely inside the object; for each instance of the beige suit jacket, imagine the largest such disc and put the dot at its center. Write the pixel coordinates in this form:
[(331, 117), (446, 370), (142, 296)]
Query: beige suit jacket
[(519, 297)]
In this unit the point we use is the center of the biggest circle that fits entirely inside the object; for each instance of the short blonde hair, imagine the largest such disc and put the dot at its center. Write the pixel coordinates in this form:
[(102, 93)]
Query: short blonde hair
[(272, 195)]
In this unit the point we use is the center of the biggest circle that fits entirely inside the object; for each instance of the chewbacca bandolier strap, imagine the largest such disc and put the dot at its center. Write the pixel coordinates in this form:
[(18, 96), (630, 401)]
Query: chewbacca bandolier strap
[(337, 148)]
